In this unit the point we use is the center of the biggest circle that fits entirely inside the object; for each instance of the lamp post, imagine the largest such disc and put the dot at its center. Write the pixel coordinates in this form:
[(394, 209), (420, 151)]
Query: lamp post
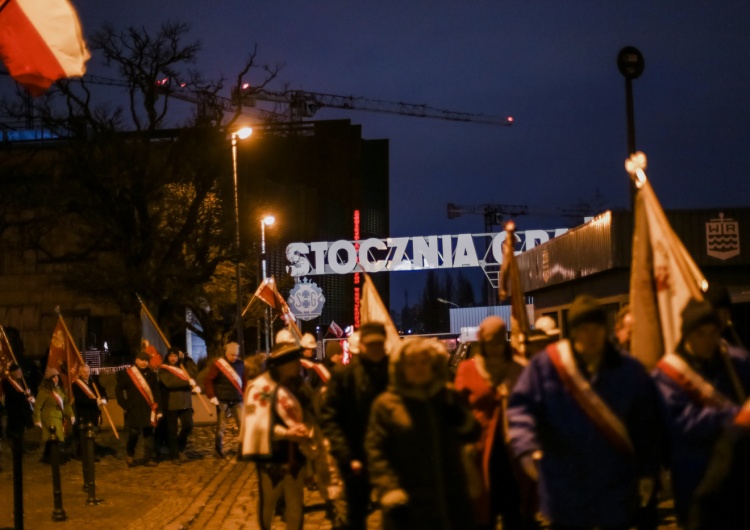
[(444, 301), (241, 134), (267, 220)]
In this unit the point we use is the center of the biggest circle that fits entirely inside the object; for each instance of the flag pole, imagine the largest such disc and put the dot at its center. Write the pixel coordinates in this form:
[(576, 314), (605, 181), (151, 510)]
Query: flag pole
[(12, 356), (201, 397), (80, 358)]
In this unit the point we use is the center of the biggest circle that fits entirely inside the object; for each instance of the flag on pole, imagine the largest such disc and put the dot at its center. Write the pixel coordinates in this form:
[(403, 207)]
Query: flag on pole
[(64, 356), (372, 309), (663, 276), (40, 42), (509, 283), (6, 355), (153, 340), (335, 330), (269, 293)]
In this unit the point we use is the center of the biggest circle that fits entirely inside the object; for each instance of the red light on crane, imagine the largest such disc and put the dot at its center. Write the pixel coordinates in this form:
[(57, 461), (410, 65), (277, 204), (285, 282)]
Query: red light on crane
[(510, 120)]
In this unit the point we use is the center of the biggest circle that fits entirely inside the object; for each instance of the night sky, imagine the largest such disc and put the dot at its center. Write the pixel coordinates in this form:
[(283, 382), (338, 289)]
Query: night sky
[(549, 64)]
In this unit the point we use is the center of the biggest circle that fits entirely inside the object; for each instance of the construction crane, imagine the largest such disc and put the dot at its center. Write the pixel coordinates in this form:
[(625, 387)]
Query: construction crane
[(302, 104), (495, 213)]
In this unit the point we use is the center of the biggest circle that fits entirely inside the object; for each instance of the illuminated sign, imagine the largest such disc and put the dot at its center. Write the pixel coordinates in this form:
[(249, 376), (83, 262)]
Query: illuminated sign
[(408, 253)]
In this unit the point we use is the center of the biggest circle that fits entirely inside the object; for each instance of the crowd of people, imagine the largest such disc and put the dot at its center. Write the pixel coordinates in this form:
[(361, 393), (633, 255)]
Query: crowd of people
[(572, 433)]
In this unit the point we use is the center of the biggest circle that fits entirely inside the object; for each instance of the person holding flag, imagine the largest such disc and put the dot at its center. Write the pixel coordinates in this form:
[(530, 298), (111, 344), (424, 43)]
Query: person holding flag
[(225, 384), (86, 404), (50, 410), (702, 385), (19, 403), (583, 420), (136, 392)]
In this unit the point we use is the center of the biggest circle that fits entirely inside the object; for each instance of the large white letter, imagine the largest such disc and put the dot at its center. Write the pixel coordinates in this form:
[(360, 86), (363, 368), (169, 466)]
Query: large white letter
[(333, 257), (425, 252), (447, 252), (296, 255), (466, 254), (319, 248), (364, 259), (532, 236), (397, 263)]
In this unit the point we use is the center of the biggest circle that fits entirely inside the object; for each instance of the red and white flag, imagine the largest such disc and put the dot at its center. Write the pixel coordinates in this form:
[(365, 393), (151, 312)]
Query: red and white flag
[(269, 293), (40, 42), (335, 330), (663, 276)]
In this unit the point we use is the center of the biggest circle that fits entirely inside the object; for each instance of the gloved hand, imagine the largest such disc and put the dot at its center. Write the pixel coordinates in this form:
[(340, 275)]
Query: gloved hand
[(192, 382), (214, 401), (196, 389), (31, 399), (103, 401), (72, 420), (38, 424), (159, 416)]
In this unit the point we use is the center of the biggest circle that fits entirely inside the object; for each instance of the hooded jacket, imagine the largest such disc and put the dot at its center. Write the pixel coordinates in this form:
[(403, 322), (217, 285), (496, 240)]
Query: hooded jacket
[(414, 448)]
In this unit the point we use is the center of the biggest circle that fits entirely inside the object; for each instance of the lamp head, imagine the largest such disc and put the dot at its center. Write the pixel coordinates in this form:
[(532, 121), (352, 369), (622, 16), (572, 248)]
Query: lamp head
[(268, 220), (243, 133)]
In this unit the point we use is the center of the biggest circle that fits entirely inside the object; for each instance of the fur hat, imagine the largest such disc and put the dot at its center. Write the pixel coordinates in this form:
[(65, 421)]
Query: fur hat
[(283, 353), (308, 342), (586, 310), (697, 314), (372, 332), (49, 372)]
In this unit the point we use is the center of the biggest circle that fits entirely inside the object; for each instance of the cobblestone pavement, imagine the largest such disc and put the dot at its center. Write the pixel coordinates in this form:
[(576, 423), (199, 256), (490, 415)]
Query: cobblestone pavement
[(204, 493)]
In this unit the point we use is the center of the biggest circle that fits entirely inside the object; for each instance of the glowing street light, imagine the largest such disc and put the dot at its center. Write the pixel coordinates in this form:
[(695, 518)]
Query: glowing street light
[(267, 220), (242, 134)]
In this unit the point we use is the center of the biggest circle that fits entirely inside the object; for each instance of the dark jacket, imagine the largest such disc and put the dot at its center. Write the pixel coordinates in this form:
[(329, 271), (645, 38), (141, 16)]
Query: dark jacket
[(86, 408), (18, 409), (176, 392), (584, 479), (219, 386), (346, 407), (693, 428), (136, 408), (414, 444)]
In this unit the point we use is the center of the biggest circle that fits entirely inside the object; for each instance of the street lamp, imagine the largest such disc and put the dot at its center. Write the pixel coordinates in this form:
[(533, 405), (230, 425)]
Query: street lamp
[(444, 301), (267, 220), (241, 134)]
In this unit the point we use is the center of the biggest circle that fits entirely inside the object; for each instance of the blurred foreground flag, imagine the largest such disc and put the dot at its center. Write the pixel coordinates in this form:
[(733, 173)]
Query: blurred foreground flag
[(663, 276), (509, 285), (372, 309), (41, 42)]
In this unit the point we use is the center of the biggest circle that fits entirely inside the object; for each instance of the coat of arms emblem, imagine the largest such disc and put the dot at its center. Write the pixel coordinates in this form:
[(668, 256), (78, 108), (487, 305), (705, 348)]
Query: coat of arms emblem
[(722, 238), (306, 300)]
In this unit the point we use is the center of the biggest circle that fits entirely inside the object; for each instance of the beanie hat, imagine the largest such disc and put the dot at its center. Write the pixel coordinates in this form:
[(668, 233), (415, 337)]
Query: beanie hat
[(283, 353), (49, 372), (696, 314), (586, 310), (284, 336), (547, 325)]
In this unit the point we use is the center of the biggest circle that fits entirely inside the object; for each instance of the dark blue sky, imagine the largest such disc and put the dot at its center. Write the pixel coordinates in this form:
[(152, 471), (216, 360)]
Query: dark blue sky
[(550, 64)]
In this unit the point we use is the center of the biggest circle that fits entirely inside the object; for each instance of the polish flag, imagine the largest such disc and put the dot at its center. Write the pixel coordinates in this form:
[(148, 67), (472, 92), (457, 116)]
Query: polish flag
[(41, 42), (335, 330)]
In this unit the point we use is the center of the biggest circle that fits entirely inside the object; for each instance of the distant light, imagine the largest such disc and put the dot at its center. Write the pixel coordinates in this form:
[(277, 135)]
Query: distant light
[(183, 85), (509, 119), (245, 86), (268, 220)]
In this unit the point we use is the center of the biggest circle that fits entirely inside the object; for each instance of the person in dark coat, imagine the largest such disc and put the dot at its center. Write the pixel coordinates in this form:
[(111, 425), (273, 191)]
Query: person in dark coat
[(415, 439), (177, 385), (583, 419), (702, 386), (19, 403), (51, 408), (137, 393), (225, 383), (86, 404), (345, 415), (486, 380)]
